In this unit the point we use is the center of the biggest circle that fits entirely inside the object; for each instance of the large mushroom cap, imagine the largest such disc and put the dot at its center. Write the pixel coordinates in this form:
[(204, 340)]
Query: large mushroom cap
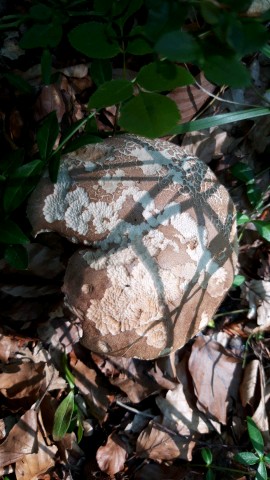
[(162, 232)]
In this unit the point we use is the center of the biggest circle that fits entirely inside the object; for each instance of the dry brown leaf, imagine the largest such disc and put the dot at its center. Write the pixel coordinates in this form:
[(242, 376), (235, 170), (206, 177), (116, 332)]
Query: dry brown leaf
[(95, 395), (112, 456), (216, 376), (162, 472), (249, 383), (9, 345), (260, 415), (257, 292), (158, 444), (49, 99), (21, 382), (43, 261), (31, 466), (160, 378), (21, 440), (61, 333), (129, 374), (207, 145)]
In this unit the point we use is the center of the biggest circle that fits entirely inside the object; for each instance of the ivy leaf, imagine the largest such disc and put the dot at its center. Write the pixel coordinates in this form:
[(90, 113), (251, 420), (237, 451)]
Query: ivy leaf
[(149, 114), (47, 135), (163, 76), (111, 93), (178, 46), (101, 71), (63, 416), (11, 233), (16, 256), (255, 436), (226, 71), (20, 184), (96, 40), (263, 228)]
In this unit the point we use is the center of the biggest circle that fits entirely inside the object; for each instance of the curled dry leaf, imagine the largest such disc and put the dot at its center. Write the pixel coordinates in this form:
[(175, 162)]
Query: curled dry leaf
[(216, 376), (257, 292), (129, 374), (159, 444), (112, 456), (31, 466), (50, 99), (21, 439), (249, 383), (207, 145), (95, 395)]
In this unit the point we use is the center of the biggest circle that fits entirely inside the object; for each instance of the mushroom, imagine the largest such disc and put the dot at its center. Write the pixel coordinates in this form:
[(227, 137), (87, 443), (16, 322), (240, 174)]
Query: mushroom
[(157, 237)]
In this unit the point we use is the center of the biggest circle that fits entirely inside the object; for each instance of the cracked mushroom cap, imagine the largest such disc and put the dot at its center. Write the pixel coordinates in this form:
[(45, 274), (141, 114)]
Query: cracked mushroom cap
[(162, 243)]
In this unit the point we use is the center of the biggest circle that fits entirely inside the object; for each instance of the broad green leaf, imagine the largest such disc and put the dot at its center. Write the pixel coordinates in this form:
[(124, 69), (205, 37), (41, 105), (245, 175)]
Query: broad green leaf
[(216, 120), (111, 93), (246, 36), (40, 12), (210, 475), (246, 174), (96, 40), (163, 76), (101, 71), (20, 184), (63, 416), (81, 141), (138, 44), (226, 71), (42, 35), (246, 458), (123, 9), (102, 7), (47, 135), (238, 280), (178, 46), (18, 82), (11, 233), (267, 458), (242, 218), (255, 436), (263, 228), (17, 256), (149, 114), (207, 456), (46, 66), (54, 165), (261, 473)]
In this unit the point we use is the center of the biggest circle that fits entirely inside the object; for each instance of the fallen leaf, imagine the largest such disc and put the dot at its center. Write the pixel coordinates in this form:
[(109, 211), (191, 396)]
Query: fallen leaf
[(112, 456), (43, 261), (21, 440), (20, 382), (257, 292), (249, 383), (216, 376), (50, 99)]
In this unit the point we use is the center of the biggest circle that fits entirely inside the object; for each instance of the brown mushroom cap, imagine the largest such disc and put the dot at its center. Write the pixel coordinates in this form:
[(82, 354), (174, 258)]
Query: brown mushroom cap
[(162, 231)]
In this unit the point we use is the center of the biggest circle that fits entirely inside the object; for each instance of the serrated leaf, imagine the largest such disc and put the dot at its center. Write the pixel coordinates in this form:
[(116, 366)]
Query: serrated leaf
[(81, 141), (255, 436), (226, 71), (261, 473), (111, 93), (96, 40), (101, 71), (47, 135), (63, 416), (16, 256), (10, 233), (207, 456), (246, 458), (18, 82), (42, 36), (178, 46), (238, 280), (149, 114), (263, 228), (20, 184), (163, 76)]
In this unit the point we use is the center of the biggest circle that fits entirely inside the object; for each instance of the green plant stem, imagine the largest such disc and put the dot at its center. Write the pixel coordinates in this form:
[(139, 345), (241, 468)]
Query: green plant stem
[(224, 469), (233, 312)]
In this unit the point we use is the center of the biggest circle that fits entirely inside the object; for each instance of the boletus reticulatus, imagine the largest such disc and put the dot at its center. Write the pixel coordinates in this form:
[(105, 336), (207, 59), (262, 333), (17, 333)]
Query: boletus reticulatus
[(157, 243)]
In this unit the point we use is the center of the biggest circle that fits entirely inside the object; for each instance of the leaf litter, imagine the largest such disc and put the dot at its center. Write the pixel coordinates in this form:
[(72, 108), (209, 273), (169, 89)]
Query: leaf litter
[(142, 419)]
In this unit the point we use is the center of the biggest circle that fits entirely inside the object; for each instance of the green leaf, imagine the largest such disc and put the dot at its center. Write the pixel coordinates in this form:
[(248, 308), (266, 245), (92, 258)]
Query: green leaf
[(246, 458), (263, 229), (111, 93), (238, 280), (63, 416), (242, 218), (123, 9), (246, 37), (42, 36), (11, 233), (96, 40), (261, 473), (11, 161), (47, 135), (207, 456), (54, 166), (18, 82), (20, 184), (216, 120), (226, 71), (178, 46), (246, 174), (255, 436), (101, 71), (40, 12), (46, 66), (17, 256), (210, 475), (138, 44), (149, 114), (267, 458), (81, 141), (163, 76)]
